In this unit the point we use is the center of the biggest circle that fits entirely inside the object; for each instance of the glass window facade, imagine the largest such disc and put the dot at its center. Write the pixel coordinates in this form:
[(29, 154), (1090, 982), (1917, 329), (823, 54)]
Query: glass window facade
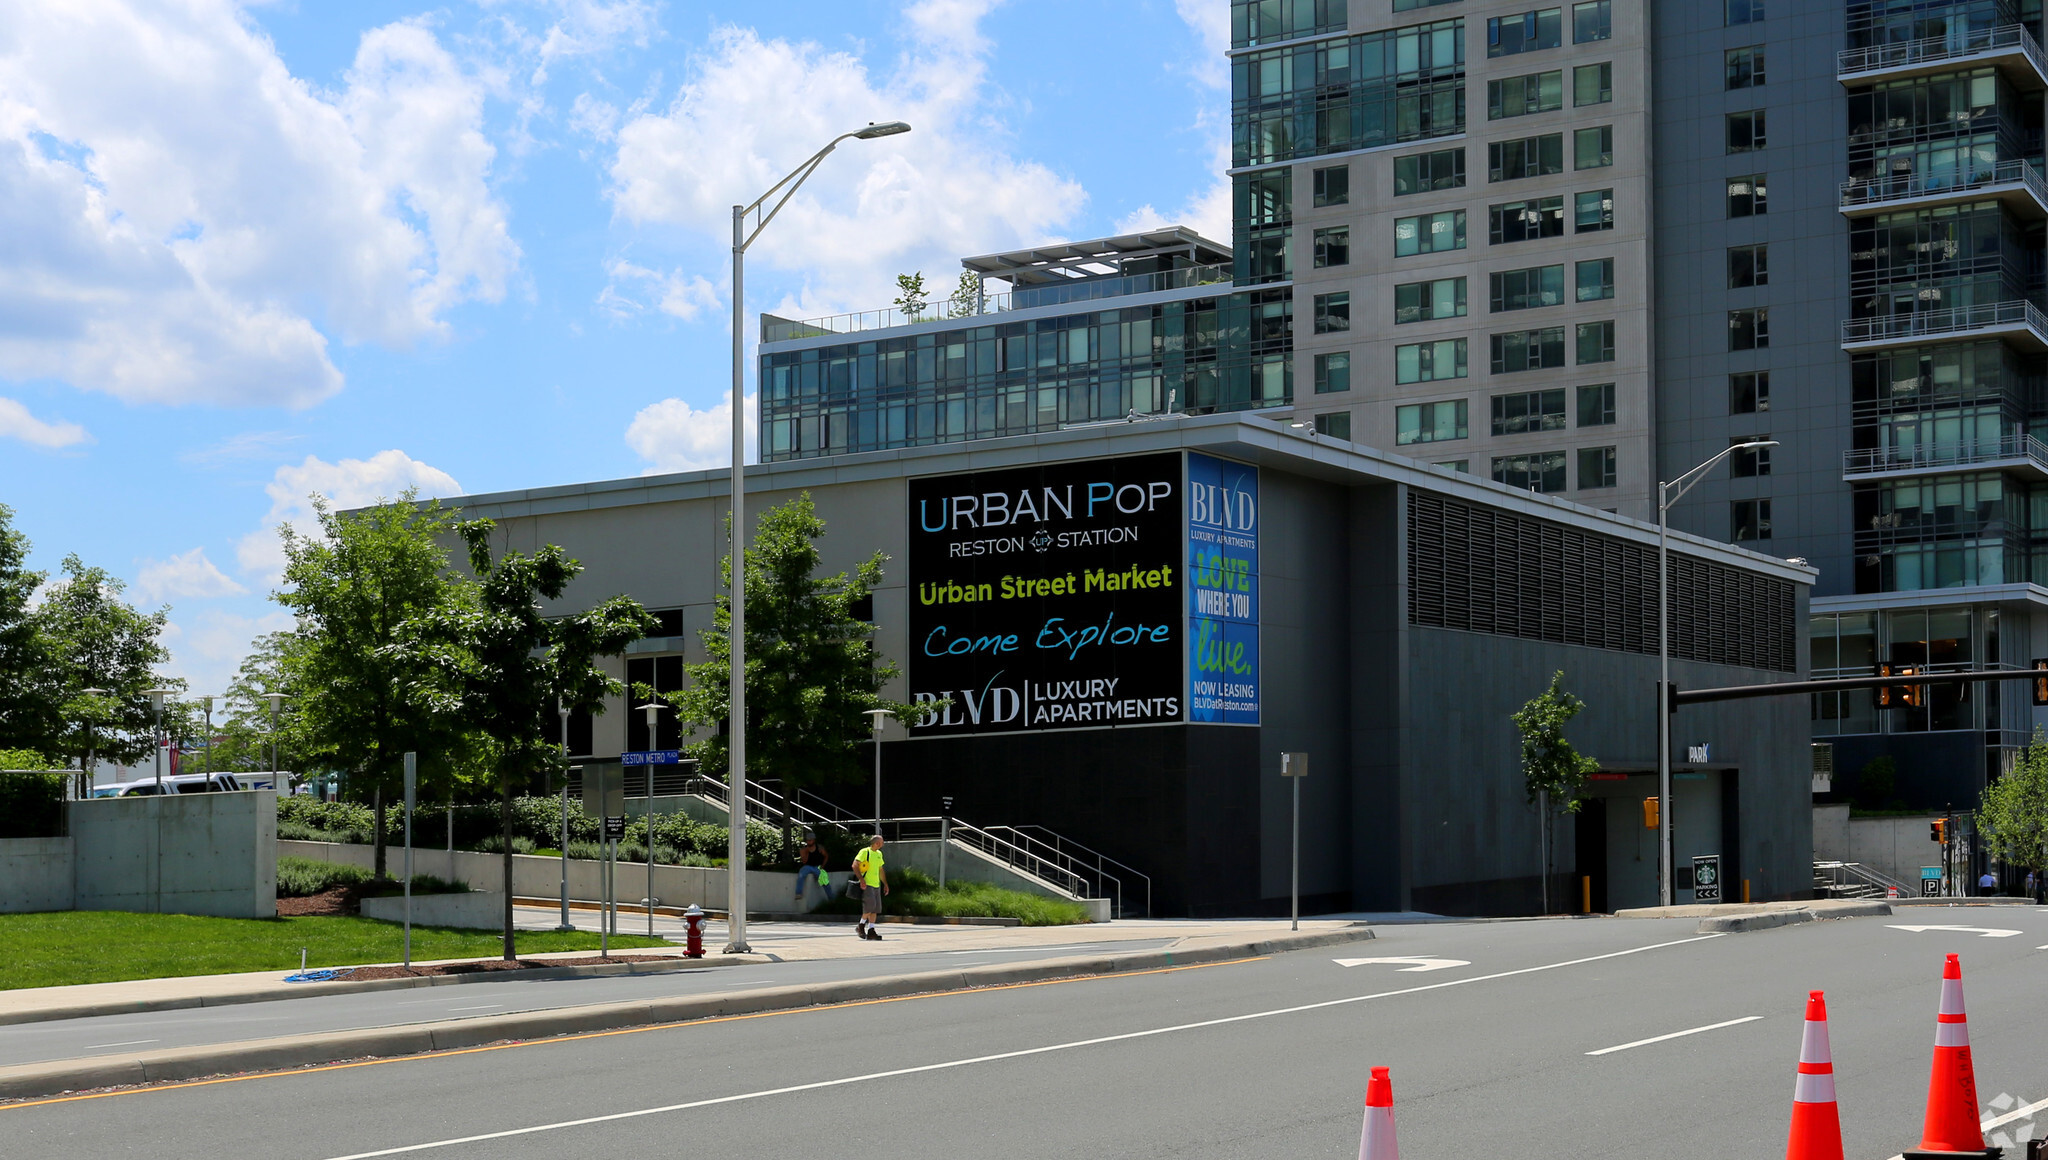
[(1426, 362), (1526, 289), (1527, 350), (1527, 157), (1423, 172), (1746, 131), (1332, 185), (1746, 196), (1430, 422), (1524, 221), (1524, 32), (1749, 392), (1749, 520), (1333, 372), (1526, 411), (1333, 246), (1592, 20), (1539, 471), (1520, 96), (1596, 467), (1743, 68), (1592, 211), (1333, 312), (1748, 266), (1427, 301), (1355, 92), (1595, 279), (1595, 341), (1335, 424), (1935, 639), (1596, 405), (1429, 233), (1261, 21), (1593, 148), (1593, 84), (1749, 329), (1947, 531)]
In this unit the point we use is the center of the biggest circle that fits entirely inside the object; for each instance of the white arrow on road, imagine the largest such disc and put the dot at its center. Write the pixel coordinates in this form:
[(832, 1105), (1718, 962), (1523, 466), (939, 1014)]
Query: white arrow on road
[(1421, 964), (1984, 931)]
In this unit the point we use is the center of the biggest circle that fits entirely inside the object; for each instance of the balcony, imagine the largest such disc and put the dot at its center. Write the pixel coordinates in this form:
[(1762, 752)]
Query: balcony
[(2020, 323), (2016, 452), (2010, 48), (2015, 184), (968, 309)]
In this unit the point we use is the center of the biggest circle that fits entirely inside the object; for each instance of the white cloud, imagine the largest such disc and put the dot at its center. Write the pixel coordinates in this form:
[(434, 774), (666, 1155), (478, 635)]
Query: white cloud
[(242, 446), (1208, 211), (182, 220), (208, 647), (17, 423), (186, 575), (753, 109), (347, 484), (632, 288), (674, 436)]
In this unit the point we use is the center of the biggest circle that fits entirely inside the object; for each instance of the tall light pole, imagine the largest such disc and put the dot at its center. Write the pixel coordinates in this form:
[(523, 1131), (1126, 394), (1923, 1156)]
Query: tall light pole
[(275, 700), (207, 702), (653, 710), (1665, 498), (876, 715), (91, 756), (156, 705), (561, 708), (736, 846)]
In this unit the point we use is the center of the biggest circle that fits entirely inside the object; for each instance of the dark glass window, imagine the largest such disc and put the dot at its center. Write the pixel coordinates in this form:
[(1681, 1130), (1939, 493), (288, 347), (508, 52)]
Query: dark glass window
[(1596, 467), (1527, 157), (1592, 211), (1744, 11), (1425, 301), (1542, 471), (1595, 342), (1430, 422), (1333, 312), (1526, 289), (1258, 21), (1593, 148), (1595, 278), (1430, 233), (1748, 266), (1526, 32), (1521, 221), (1749, 329), (1746, 131), (1425, 362), (1333, 373), (1520, 96), (1746, 196), (1443, 169), (1592, 20), (1745, 67), (1333, 246), (1332, 185), (1749, 519), (1528, 350), (1593, 84), (1596, 405), (1409, 5), (1749, 392), (1745, 464), (1335, 424), (663, 674), (1519, 414)]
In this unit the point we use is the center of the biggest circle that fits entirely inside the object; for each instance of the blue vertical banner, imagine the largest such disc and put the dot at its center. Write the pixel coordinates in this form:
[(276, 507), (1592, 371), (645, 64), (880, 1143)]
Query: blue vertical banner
[(1223, 591)]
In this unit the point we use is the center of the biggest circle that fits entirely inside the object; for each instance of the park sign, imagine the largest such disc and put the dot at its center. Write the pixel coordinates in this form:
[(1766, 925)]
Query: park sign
[(1084, 595)]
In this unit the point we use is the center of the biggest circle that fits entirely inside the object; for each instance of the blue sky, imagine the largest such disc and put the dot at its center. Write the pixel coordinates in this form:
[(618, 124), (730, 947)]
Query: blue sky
[(248, 253)]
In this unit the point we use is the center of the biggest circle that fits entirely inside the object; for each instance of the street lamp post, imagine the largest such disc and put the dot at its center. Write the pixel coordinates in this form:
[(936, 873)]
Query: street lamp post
[(876, 715), (563, 709), (275, 700), (1665, 498), (653, 710), (207, 702), (736, 847), (91, 754), (156, 705)]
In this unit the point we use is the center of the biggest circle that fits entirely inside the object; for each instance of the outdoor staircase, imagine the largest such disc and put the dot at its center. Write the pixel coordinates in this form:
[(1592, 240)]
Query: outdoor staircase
[(1853, 880)]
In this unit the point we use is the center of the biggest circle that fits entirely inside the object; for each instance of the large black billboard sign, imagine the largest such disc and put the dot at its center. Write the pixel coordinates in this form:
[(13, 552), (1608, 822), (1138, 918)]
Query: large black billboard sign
[(1048, 597)]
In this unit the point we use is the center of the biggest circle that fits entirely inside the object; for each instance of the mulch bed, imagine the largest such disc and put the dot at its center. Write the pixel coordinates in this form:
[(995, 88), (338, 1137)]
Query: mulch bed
[(482, 965), (341, 900)]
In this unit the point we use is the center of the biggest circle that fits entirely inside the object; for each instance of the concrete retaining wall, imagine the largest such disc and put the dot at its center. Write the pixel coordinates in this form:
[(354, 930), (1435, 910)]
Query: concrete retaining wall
[(35, 874), (212, 853), (476, 910), (1895, 847), (967, 864)]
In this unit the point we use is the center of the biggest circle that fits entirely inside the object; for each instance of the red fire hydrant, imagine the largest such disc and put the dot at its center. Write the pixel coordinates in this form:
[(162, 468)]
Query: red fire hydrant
[(693, 923)]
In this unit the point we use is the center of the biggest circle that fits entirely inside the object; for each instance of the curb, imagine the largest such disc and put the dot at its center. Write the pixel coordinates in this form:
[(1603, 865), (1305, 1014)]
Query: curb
[(352, 987), (25, 1081), (1737, 923)]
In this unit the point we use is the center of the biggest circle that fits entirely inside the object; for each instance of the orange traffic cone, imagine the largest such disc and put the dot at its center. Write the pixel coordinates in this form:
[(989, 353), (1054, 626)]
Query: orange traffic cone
[(1377, 1142), (1816, 1124), (1951, 1125)]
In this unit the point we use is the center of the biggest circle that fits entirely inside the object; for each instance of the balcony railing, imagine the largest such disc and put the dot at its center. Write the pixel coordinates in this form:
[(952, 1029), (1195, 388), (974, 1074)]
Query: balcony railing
[(1944, 456), (1961, 320), (775, 329), (1918, 185), (1937, 49)]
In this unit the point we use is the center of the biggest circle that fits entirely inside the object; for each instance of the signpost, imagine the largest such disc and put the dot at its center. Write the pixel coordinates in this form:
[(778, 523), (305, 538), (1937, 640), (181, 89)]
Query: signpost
[(412, 767), (1295, 766), (1930, 882), (1706, 878)]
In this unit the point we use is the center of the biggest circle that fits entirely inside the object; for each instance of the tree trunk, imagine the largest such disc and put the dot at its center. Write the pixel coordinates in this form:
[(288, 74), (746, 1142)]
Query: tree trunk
[(505, 819), (377, 828)]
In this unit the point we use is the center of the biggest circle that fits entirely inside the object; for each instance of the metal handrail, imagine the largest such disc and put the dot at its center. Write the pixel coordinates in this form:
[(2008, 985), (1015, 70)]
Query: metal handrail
[(1837, 871), (1934, 322), (1009, 853), (1933, 49), (1079, 290), (2012, 445), (1876, 190), (1076, 856)]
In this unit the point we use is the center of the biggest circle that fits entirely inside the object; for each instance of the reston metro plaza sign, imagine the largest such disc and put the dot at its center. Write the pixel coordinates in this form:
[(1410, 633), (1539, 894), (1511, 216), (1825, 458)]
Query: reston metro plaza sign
[(1085, 595)]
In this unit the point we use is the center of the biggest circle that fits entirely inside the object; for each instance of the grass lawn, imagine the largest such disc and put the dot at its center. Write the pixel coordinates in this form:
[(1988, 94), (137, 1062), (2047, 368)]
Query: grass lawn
[(104, 946)]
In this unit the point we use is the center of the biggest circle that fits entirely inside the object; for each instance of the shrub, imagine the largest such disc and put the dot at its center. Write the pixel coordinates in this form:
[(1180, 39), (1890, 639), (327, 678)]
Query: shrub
[(302, 877), (421, 884), (496, 845), (913, 892), (31, 805)]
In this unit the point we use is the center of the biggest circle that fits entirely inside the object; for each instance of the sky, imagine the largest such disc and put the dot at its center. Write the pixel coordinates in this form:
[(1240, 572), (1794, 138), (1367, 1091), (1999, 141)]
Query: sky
[(252, 253)]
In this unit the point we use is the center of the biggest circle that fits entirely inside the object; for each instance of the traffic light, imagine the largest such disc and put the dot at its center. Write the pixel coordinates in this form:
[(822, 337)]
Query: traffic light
[(2041, 682), (1649, 813), (1937, 831), (1893, 696)]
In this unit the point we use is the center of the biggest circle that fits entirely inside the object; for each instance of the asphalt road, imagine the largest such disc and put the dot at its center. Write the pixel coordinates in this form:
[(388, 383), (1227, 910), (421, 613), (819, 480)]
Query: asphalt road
[(1266, 1058), (107, 1034)]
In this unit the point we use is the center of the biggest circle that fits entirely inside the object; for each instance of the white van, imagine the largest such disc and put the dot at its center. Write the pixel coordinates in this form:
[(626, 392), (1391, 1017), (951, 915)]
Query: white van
[(182, 783)]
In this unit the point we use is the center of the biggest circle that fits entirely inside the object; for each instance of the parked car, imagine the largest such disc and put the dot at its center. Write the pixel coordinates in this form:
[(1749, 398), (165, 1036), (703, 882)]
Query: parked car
[(182, 783)]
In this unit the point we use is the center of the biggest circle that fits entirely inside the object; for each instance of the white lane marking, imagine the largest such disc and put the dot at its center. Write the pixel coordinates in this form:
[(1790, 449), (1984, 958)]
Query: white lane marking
[(478, 1007), (1026, 1052), (1984, 931), (123, 1043), (1422, 964), (1674, 1035)]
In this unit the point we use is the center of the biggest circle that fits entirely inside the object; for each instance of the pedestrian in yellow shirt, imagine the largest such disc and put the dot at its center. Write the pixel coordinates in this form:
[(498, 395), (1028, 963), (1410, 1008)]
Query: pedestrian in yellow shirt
[(874, 883)]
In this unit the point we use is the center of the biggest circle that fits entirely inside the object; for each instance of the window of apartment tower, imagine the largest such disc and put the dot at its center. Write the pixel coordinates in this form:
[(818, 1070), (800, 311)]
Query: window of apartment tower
[(1746, 131), (1593, 20), (1425, 362), (1596, 467), (1745, 67), (1333, 246), (1542, 471), (1428, 301), (1749, 329), (1527, 350), (1745, 464), (1595, 342), (1333, 373), (1593, 84), (1592, 211), (1333, 312), (1596, 405), (1744, 11), (1525, 32), (1528, 157), (1593, 148), (1335, 424), (1749, 519), (1746, 196), (1422, 172), (1748, 266), (1749, 392), (1431, 422), (1526, 411), (1332, 185), (1520, 96), (1595, 279), (1528, 289)]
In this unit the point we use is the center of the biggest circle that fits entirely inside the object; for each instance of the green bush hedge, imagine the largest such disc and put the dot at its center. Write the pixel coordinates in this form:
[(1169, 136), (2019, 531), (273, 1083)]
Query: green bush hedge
[(304, 877), (31, 805), (914, 892)]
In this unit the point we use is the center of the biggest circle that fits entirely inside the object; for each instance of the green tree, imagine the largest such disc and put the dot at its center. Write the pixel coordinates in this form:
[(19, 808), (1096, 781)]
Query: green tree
[(365, 702), (911, 296), (1553, 771), (504, 665), (2013, 815), (966, 297), (27, 714), (93, 639), (1877, 783), (242, 722), (812, 671)]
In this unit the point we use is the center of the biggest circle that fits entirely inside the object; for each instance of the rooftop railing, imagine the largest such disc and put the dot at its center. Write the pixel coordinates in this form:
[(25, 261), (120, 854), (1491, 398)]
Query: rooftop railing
[(1936, 49), (1884, 460), (775, 329), (1905, 188), (1939, 323)]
